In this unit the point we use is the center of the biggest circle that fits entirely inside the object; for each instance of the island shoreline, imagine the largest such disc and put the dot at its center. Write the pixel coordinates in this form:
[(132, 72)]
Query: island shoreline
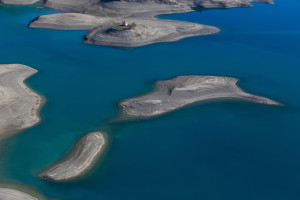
[(242, 96), (41, 102)]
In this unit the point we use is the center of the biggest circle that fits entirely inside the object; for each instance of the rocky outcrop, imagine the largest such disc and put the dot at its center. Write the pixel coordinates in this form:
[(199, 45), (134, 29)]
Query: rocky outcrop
[(85, 154), (19, 105), (184, 90), (146, 32)]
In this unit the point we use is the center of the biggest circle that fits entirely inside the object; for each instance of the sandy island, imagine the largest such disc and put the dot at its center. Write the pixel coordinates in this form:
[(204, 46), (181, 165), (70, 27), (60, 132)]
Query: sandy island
[(13, 194), (84, 155), (184, 90), (102, 18), (19, 105)]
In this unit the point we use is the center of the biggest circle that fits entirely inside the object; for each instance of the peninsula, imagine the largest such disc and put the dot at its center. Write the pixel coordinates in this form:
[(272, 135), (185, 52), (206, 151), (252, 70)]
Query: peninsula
[(101, 18), (19, 105), (84, 155), (13, 194), (184, 90)]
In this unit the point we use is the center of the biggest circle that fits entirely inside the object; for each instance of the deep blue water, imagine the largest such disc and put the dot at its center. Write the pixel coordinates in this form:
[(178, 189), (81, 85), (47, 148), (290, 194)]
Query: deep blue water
[(225, 150)]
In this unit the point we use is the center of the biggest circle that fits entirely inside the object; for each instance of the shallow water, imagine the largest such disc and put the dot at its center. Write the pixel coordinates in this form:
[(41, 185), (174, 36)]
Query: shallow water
[(228, 150)]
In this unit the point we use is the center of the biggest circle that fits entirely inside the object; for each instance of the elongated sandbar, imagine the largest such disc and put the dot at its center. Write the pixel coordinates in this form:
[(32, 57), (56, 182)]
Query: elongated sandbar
[(82, 158)]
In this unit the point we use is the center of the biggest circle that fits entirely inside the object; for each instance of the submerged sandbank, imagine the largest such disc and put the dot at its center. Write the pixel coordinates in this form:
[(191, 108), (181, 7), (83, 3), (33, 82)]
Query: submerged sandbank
[(82, 158), (19, 105), (184, 90)]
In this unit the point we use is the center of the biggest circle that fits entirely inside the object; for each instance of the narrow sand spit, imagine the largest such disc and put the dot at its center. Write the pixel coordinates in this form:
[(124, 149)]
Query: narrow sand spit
[(184, 90), (85, 154), (19, 105)]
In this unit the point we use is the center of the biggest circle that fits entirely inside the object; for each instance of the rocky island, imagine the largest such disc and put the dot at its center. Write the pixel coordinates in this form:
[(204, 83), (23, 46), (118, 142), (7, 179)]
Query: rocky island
[(101, 16), (144, 31), (13, 194), (185, 90), (19, 105), (85, 154)]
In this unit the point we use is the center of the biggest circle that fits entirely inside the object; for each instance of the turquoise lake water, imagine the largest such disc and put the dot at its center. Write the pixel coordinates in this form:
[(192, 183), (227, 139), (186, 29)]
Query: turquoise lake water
[(225, 150)]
